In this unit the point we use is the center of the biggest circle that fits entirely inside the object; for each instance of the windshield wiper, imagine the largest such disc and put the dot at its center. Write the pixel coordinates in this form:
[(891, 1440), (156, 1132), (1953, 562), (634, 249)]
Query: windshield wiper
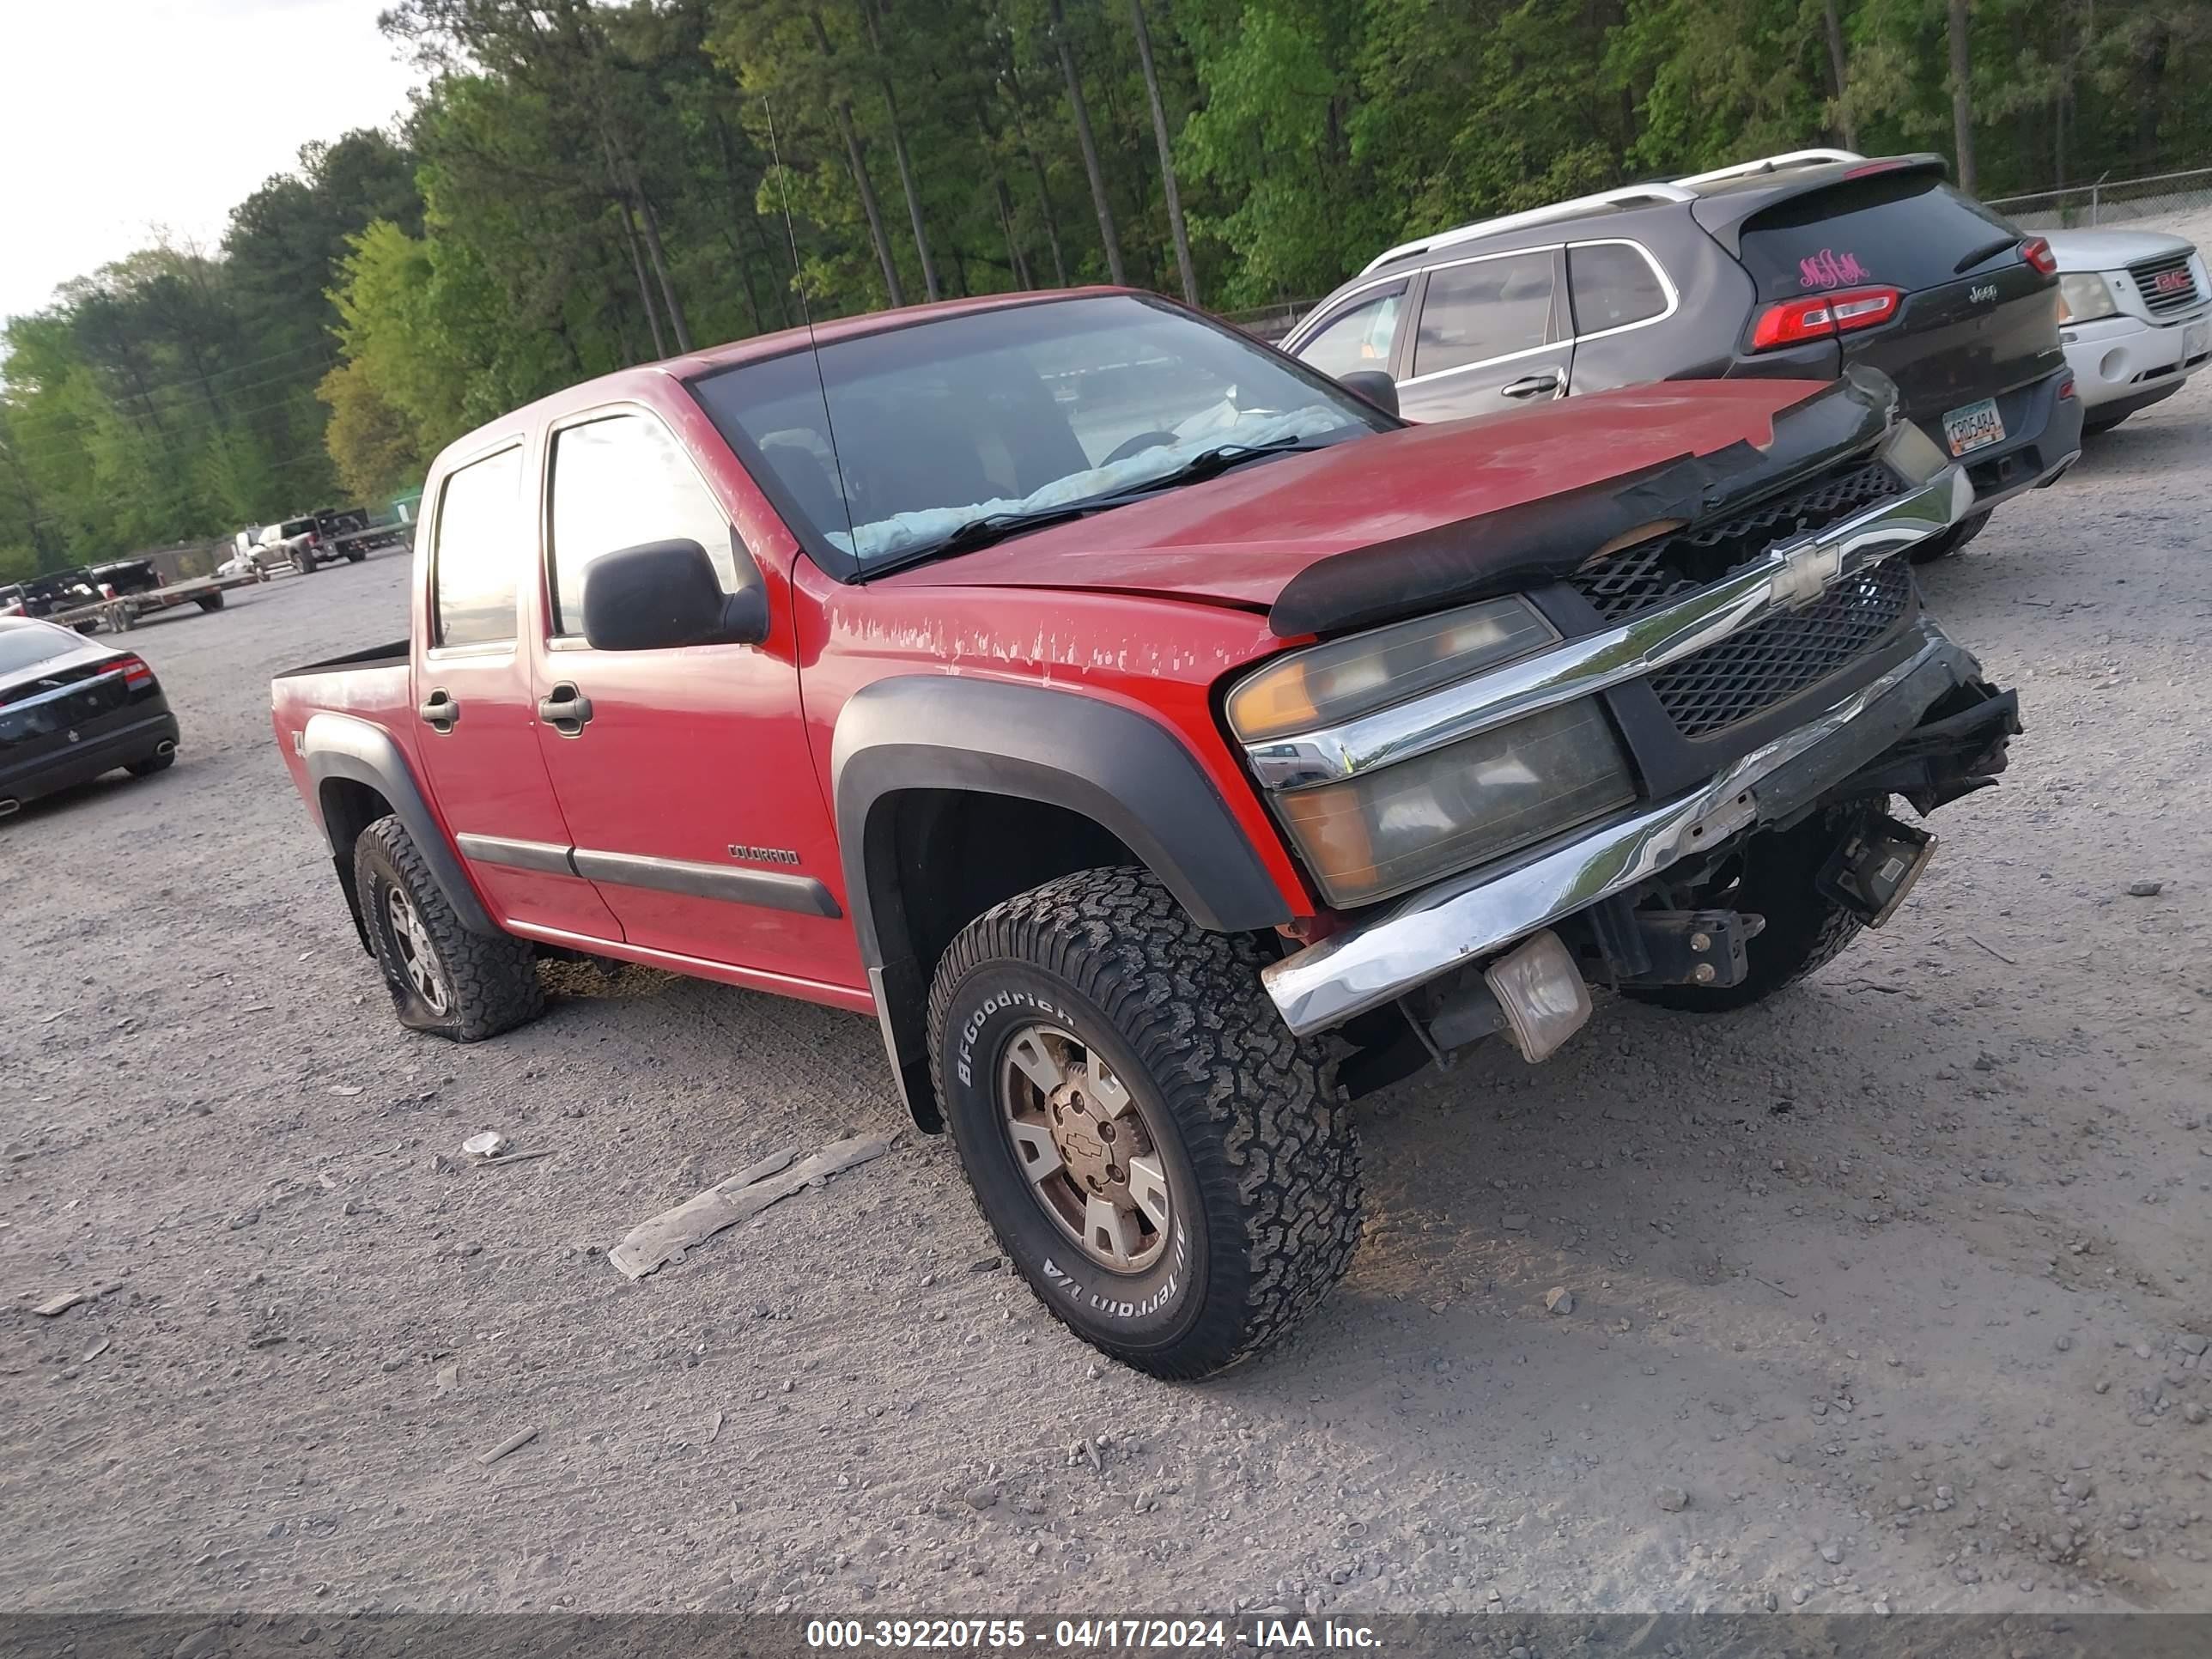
[(1969, 261), (989, 527), (1212, 463), (997, 526)]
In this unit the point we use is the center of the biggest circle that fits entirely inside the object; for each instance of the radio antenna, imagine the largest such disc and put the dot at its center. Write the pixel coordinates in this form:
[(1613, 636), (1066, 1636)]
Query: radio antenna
[(813, 349)]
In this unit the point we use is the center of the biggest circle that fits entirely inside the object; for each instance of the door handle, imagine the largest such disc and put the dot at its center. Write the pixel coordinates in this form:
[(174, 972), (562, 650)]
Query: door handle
[(566, 709), (440, 712), (1532, 385)]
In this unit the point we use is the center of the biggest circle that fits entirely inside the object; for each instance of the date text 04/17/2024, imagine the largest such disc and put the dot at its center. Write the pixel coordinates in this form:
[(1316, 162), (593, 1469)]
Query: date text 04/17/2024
[(1003, 1636)]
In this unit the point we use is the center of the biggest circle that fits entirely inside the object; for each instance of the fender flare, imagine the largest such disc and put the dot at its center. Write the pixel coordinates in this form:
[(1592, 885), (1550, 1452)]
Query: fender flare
[(343, 746), (1123, 771)]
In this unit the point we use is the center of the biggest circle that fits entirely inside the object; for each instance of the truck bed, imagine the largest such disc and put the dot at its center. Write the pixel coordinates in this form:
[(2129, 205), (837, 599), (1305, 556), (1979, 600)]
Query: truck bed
[(393, 655)]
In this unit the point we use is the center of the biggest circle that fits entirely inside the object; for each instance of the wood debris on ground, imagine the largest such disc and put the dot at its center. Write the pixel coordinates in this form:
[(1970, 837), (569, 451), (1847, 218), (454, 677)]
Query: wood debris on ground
[(655, 1243), (514, 1442)]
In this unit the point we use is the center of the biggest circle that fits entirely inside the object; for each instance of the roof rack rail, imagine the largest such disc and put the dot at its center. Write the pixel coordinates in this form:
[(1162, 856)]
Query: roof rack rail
[(1794, 158), (1657, 191)]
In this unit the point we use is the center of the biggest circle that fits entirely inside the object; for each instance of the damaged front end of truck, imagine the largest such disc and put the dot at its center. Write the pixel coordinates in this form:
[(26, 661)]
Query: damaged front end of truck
[(1644, 736)]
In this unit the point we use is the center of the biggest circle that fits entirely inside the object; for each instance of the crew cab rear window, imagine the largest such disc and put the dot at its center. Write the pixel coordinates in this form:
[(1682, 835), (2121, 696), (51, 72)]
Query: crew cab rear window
[(1897, 230), (622, 482), (478, 551), (1485, 309)]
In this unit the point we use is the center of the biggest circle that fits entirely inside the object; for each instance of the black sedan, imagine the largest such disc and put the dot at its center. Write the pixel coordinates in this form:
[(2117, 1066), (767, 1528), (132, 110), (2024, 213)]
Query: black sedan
[(70, 710)]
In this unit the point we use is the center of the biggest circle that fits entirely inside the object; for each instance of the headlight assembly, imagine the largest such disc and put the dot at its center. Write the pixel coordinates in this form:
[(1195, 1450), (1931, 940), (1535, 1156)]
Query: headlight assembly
[(1345, 678), (2084, 296), (1383, 831)]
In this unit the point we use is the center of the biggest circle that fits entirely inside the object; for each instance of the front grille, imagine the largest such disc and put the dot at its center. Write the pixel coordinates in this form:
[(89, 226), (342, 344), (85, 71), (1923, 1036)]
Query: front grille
[(2166, 283), (1750, 671), (1753, 670), (1652, 572)]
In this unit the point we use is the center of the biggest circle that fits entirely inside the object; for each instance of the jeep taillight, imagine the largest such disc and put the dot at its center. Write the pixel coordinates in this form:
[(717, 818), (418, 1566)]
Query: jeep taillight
[(136, 674), (2037, 253), (1793, 322)]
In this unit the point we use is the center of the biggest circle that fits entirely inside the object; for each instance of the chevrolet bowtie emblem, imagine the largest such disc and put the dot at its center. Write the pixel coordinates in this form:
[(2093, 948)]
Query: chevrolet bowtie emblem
[(1805, 573)]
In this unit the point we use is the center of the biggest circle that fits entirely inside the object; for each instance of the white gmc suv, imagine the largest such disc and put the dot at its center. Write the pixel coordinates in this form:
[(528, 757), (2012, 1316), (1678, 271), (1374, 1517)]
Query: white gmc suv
[(2134, 312)]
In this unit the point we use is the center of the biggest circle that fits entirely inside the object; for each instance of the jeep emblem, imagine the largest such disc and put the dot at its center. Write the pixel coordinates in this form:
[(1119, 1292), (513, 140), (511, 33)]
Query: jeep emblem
[(1982, 293)]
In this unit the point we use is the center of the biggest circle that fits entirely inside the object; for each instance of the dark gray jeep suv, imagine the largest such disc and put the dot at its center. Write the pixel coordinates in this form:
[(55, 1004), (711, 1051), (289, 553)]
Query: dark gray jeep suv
[(1796, 266)]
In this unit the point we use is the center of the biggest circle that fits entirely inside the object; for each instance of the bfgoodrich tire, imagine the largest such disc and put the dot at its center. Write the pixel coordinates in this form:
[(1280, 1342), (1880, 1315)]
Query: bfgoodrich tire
[(443, 979), (1805, 928), (1173, 1171)]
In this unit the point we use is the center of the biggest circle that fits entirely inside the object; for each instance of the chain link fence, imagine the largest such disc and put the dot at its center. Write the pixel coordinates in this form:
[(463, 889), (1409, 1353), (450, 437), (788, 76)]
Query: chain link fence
[(2110, 201)]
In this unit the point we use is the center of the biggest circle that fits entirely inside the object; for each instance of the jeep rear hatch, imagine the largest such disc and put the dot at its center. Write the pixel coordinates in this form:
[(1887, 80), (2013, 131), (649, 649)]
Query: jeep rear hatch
[(1967, 315)]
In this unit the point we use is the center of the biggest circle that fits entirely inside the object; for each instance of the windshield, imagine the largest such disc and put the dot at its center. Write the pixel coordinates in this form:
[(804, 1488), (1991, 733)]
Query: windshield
[(1008, 412)]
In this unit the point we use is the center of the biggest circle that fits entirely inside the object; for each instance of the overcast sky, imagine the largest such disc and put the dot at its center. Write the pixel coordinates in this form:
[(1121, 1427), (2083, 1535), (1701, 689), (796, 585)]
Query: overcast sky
[(121, 120)]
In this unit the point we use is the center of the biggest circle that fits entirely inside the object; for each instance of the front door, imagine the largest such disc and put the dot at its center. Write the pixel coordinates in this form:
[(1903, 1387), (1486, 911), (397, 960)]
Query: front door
[(475, 720), (1492, 335), (685, 775)]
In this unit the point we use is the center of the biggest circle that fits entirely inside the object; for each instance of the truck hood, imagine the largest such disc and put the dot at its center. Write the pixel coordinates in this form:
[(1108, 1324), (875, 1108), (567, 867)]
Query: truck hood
[(1240, 539), (2111, 250)]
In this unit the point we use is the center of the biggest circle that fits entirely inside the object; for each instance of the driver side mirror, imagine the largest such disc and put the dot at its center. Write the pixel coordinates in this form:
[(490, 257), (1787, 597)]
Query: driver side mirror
[(662, 595), (1373, 385)]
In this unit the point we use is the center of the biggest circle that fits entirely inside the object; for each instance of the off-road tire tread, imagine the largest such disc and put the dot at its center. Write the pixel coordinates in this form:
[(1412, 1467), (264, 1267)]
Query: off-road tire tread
[(494, 980), (1237, 1081)]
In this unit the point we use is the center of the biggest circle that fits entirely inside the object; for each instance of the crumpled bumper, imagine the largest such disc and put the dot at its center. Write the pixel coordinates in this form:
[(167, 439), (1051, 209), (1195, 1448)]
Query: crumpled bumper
[(1929, 728)]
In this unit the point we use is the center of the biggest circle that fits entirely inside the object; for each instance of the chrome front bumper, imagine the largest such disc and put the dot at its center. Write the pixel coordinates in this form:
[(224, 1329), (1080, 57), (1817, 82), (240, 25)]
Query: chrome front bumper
[(1480, 912)]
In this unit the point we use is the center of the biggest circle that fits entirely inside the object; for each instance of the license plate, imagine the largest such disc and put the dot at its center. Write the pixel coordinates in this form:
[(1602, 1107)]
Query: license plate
[(1975, 427), (2195, 340)]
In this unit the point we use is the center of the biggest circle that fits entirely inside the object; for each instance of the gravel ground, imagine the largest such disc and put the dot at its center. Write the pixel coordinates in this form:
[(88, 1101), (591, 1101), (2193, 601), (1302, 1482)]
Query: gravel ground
[(1893, 1293)]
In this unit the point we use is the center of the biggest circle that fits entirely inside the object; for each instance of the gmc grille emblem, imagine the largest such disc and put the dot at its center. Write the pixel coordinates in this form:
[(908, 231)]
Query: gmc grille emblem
[(2173, 282)]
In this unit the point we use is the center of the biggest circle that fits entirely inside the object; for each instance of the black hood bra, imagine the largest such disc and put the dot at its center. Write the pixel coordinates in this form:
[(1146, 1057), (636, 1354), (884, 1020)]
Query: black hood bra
[(1517, 547)]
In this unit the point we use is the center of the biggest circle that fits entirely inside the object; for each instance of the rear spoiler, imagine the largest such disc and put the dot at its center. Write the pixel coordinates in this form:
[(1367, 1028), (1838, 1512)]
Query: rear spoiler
[(1723, 214)]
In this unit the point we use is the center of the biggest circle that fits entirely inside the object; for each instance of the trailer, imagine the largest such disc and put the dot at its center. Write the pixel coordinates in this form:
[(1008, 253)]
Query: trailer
[(121, 607)]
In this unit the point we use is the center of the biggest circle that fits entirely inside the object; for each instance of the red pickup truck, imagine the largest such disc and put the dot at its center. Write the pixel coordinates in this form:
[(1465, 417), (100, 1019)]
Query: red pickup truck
[(1166, 744)]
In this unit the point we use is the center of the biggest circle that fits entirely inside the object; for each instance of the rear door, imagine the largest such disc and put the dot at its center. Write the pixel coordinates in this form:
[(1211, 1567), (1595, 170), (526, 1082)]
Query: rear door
[(1493, 334), (1975, 320), (685, 774), (476, 720)]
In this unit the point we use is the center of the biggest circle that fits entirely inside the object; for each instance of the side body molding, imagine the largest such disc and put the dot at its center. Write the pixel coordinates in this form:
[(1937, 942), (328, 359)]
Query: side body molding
[(341, 746), (1126, 773)]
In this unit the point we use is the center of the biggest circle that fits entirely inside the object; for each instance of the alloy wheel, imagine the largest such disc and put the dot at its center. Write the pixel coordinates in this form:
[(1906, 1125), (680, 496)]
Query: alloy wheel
[(1081, 1140)]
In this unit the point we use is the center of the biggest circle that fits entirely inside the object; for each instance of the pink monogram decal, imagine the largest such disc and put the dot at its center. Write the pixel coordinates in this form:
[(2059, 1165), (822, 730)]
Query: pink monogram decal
[(1829, 269)]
